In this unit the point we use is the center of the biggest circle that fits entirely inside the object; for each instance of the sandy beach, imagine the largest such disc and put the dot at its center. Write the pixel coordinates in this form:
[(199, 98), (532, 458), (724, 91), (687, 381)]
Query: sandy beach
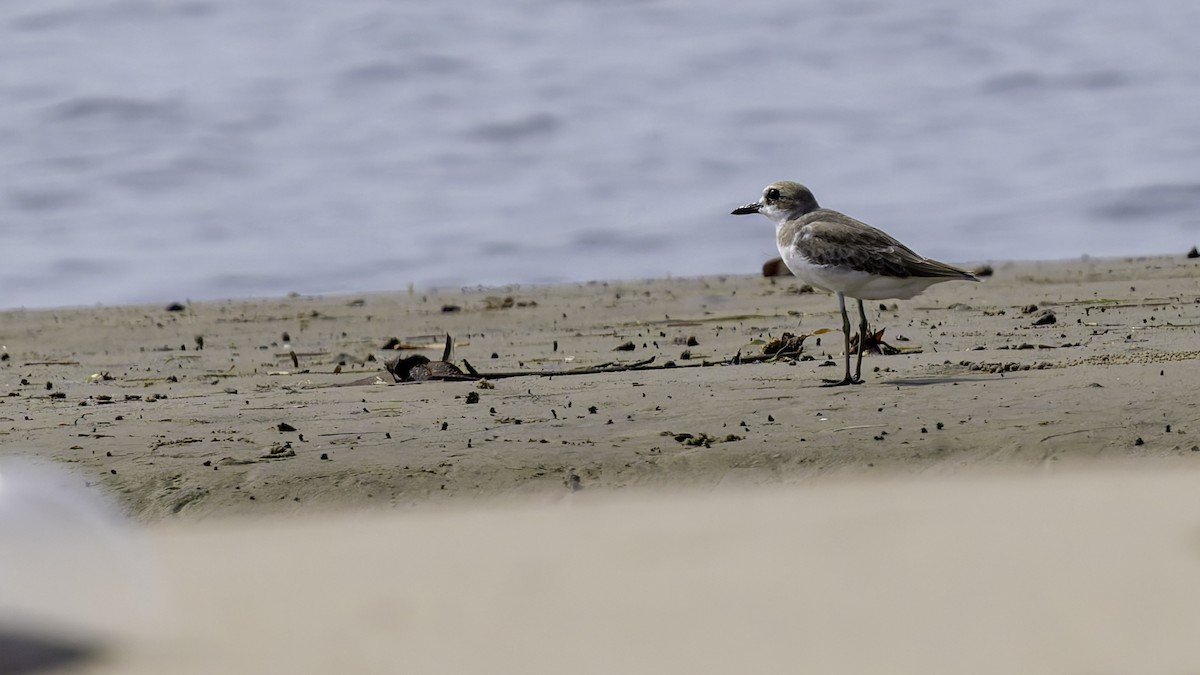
[(693, 464), (124, 395)]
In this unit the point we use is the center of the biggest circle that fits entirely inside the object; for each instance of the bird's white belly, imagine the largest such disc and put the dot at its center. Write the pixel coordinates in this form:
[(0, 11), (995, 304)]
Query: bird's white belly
[(852, 283)]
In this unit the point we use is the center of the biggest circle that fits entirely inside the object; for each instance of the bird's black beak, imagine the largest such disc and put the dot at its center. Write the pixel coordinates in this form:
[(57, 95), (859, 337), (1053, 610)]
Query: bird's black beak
[(749, 208)]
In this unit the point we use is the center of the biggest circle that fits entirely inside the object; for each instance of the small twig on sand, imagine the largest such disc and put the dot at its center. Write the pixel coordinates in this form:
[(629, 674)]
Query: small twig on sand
[(859, 426), (1081, 431)]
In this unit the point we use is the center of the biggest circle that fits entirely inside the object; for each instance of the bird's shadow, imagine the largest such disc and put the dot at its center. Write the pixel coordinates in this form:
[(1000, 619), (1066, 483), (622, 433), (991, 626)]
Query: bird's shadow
[(928, 381)]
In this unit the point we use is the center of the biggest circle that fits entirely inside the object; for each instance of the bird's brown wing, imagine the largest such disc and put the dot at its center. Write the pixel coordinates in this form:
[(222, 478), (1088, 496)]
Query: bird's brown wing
[(831, 238)]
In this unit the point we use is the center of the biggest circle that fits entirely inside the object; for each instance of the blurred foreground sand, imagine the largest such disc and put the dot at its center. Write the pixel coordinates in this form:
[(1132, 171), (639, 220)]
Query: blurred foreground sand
[(1091, 572)]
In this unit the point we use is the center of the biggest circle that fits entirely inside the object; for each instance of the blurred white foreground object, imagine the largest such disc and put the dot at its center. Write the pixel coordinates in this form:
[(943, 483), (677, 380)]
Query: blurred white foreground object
[(69, 563)]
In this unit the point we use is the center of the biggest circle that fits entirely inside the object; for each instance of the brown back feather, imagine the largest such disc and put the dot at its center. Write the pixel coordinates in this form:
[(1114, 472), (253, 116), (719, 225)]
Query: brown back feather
[(838, 239)]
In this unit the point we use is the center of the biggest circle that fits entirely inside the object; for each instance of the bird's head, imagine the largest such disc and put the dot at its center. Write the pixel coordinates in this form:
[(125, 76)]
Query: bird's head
[(781, 201)]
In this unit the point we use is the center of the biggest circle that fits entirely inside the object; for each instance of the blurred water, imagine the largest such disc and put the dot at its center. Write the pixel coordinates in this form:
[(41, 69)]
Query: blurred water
[(156, 150)]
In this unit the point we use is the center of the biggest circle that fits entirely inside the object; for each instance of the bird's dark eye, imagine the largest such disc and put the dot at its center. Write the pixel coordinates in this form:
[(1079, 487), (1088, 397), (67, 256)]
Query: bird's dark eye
[(772, 194)]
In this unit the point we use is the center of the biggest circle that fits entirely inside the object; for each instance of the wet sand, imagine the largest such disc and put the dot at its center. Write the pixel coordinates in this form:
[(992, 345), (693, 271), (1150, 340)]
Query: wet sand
[(1004, 495)]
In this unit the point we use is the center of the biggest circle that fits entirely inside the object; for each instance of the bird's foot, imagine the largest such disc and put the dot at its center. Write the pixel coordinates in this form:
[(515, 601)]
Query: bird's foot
[(842, 382)]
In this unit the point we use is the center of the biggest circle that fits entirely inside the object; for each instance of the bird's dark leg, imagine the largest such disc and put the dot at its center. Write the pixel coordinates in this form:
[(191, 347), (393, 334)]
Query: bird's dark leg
[(846, 333), (863, 332)]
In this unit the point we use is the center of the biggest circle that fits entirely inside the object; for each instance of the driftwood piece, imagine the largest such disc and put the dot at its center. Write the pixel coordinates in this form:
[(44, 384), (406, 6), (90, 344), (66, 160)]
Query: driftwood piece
[(418, 368)]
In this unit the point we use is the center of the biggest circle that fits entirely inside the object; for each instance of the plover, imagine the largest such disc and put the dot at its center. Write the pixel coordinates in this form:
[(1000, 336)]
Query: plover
[(837, 253)]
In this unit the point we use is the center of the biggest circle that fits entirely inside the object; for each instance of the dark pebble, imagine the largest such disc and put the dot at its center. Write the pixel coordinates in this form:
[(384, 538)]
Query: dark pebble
[(473, 397), (775, 268), (1045, 319)]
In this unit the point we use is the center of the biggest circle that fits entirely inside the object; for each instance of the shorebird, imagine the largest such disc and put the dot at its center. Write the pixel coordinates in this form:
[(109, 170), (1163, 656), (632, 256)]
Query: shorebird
[(836, 253)]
